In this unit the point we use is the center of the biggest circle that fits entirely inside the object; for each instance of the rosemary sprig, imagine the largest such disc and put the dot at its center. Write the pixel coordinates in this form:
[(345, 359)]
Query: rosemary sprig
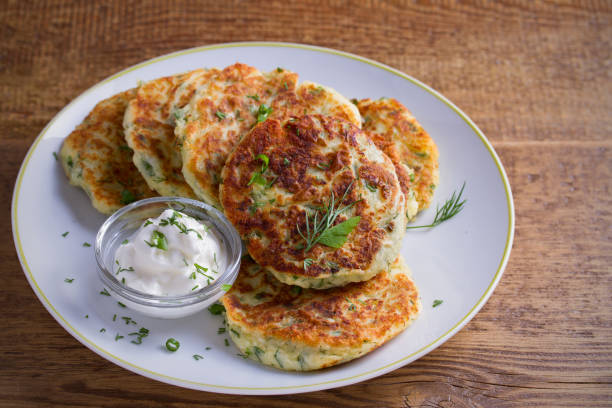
[(320, 226), (451, 207)]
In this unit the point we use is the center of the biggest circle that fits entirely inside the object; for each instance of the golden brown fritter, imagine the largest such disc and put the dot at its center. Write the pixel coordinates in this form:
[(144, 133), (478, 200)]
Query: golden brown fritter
[(413, 152), (96, 158), (231, 103), (149, 129), (309, 159), (291, 328), (221, 112)]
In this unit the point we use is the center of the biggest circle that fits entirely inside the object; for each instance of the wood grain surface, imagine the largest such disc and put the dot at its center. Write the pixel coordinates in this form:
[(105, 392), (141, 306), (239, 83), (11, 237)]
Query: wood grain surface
[(534, 76)]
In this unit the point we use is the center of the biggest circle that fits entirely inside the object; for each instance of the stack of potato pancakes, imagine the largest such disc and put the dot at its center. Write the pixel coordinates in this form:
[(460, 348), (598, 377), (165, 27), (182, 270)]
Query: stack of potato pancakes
[(320, 189)]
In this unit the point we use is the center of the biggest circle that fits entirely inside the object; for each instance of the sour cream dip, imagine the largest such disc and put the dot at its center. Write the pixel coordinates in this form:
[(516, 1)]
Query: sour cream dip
[(171, 255)]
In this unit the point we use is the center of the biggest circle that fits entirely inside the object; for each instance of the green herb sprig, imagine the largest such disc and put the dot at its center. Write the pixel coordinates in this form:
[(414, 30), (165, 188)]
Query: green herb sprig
[(451, 207), (320, 226)]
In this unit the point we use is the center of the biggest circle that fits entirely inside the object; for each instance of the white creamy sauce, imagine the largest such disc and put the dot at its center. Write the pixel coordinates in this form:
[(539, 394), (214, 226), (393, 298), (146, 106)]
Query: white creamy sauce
[(171, 255)]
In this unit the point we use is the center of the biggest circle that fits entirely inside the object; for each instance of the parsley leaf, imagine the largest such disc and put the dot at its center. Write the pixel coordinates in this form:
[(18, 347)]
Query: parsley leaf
[(336, 236)]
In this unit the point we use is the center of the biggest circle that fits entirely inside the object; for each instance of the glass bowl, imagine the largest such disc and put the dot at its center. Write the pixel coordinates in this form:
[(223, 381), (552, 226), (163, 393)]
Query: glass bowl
[(123, 223)]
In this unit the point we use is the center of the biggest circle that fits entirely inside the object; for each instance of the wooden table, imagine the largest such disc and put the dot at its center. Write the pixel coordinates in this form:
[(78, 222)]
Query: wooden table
[(536, 78)]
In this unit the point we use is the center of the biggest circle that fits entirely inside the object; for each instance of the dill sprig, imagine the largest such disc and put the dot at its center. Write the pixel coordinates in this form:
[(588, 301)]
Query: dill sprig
[(320, 226), (451, 207)]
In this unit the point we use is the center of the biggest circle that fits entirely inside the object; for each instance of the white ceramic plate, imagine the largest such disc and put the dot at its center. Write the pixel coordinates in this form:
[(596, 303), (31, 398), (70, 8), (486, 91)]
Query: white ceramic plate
[(460, 261)]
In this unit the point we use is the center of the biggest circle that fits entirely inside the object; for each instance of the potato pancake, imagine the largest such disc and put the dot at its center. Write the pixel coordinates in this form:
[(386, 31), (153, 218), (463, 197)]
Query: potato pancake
[(291, 328), (96, 158), (230, 104), (149, 129), (413, 152), (285, 179)]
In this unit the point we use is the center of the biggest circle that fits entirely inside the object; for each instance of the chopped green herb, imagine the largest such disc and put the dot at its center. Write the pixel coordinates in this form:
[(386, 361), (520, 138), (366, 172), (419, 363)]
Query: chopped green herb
[(220, 115), (263, 113), (158, 240), (105, 292), (208, 348), (172, 344), (69, 280), (102, 330), (451, 207), (226, 342), (55, 155), (197, 357), (265, 159), (123, 281), (277, 359), (87, 316), (254, 97), (195, 287), (411, 176), (221, 330), (120, 304), (118, 337), (371, 187), (121, 269), (286, 161), (226, 287), (324, 166), (140, 334), (148, 168), (69, 162), (127, 197), (421, 154), (258, 352), (216, 309), (86, 244), (128, 320), (285, 85), (308, 262), (65, 234), (200, 269), (279, 69), (235, 332), (258, 179), (437, 303), (114, 317)]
